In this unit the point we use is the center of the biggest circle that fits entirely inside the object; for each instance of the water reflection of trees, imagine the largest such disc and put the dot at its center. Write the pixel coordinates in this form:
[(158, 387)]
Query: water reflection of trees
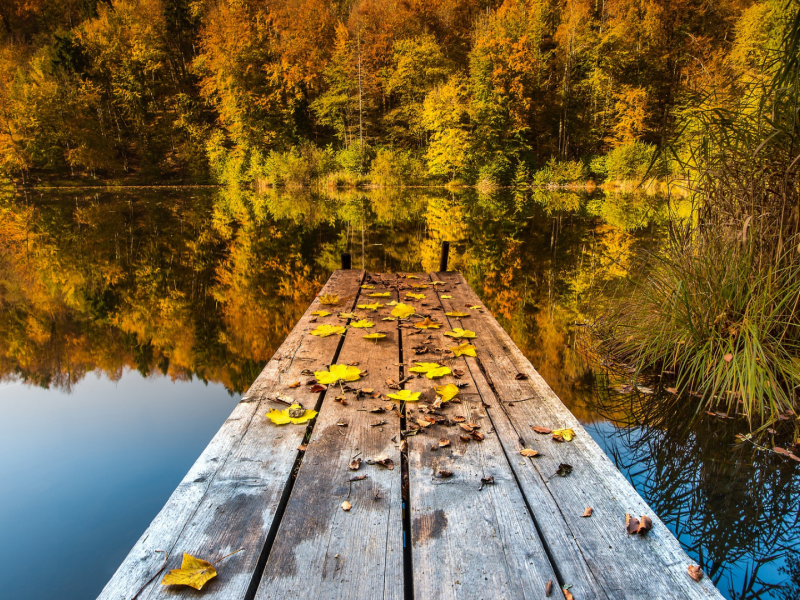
[(207, 283), (735, 509)]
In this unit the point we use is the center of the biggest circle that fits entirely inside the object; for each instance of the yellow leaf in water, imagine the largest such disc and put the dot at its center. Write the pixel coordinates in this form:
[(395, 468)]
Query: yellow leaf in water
[(404, 396), (329, 299), (374, 336), (403, 311), (320, 313), (415, 296), (338, 373), (460, 333), (431, 370), (447, 392), (564, 434), (428, 323), (294, 414), (446, 297), (458, 314), (373, 307), (194, 572), (362, 323), (326, 330), (380, 294), (463, 349)]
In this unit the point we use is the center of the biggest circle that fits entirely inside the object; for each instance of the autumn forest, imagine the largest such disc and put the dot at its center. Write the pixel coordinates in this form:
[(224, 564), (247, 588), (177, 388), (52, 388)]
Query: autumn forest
[(367, 91)]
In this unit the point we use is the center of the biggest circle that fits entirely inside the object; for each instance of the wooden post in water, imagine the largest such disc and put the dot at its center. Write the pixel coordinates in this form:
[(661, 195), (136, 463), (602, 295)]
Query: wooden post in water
[(346, 260), (443, 259)]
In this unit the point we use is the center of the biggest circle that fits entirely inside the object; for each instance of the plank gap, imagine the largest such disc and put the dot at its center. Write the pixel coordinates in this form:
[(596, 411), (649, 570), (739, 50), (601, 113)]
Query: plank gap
[(252, 589)]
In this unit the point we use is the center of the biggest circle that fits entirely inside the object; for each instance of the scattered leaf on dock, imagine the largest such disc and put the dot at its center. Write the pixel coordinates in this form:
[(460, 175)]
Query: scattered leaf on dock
[(336, 373), (405, 396), (329, 299), (346, 506), (294, 414), (459, 333), (539, 429), (529, 452), (695, 572), (326, 330), (463, 349), (588, 512), (563, 435)]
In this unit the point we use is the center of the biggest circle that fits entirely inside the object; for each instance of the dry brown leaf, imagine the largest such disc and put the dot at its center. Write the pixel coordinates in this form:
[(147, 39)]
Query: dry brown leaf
[(444, 442), (728, 357), (355, 464), (520, 376), (346, 505), (302, 447), (631, 524), (695, 572), (465, 427), (477, 436), (296, 384), (645, 525), (465, 438), (316, 388), (530, 452), (548, 589), (458, 419), (539, 429), (444, 473), (567, 595), (588, 512)]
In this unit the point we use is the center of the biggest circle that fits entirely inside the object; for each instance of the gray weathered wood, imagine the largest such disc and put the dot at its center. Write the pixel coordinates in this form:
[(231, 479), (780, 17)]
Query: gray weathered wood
[(229, 497), (467, 542), (652, 566), (321, 550)]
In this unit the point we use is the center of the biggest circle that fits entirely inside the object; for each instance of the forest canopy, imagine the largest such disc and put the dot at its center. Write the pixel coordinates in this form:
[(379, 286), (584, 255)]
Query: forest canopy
[(285, 91)]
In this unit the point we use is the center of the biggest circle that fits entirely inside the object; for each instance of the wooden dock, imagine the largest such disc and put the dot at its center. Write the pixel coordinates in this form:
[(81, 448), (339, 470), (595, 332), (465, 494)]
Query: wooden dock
[(449, 508)]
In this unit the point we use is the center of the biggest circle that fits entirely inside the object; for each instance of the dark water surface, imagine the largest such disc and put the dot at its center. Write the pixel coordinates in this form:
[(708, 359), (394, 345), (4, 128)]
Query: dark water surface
[(132, 321)]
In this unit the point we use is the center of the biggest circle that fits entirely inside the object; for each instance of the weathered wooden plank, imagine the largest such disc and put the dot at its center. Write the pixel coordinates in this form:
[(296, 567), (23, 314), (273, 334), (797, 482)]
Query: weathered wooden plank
[(229, 497), (469, 539), (652, 566), (321, 550)]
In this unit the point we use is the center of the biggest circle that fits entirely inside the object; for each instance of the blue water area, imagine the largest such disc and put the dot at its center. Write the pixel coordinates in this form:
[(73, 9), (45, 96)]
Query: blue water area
[(83, 472)]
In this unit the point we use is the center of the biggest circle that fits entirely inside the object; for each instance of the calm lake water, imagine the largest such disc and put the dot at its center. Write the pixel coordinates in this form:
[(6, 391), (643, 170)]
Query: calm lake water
[(132, 321)]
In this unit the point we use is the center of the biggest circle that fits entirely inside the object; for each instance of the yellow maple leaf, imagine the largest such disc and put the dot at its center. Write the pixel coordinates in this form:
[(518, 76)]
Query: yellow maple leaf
[(415, 296), (373, 307), (458, 314), (326, 330), (362, 323), (320, 313), (447, 392), (403, 311), (564, 434), (294, 414), (460, 333), (380, 294), (404, 396), (428, 323), (329, 299), (338, 373), (375, 336), (194, 572), (463, 349), (431, 370)]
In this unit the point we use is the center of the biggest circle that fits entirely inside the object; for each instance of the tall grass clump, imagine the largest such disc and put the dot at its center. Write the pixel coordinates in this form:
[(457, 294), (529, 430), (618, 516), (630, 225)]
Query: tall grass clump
[(729, 333), (718, 305)]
